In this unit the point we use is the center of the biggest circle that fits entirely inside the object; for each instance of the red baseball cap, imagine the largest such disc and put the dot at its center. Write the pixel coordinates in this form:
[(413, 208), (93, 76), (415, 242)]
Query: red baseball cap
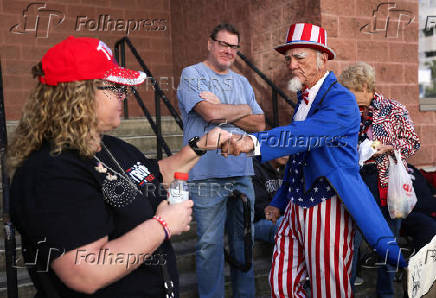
[(84, 58)]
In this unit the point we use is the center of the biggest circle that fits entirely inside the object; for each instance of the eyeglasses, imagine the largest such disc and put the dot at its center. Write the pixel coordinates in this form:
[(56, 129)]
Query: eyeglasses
[(118, 90), (224, 45)]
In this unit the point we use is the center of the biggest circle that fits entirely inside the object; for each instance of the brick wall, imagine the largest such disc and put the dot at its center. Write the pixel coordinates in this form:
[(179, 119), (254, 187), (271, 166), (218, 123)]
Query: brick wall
[(19, 52), (356, 32)]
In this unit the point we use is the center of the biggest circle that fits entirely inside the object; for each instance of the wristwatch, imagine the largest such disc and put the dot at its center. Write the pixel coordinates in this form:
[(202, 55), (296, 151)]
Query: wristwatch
[(193, 144)]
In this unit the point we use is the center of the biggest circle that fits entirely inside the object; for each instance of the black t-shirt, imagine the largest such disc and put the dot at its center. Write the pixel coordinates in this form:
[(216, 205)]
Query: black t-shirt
[(60, 203), (266, 182)]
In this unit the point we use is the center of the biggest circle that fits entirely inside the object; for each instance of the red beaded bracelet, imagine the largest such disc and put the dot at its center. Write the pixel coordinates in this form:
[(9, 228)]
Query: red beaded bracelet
[(164, 225)]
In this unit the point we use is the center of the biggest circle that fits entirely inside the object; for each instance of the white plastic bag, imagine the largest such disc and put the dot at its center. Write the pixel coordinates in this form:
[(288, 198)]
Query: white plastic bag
[(401, 195), (366, 150)]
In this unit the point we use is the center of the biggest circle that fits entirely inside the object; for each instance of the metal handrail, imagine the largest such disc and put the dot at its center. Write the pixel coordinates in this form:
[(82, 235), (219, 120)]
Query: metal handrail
[(153, 125), (9, 229), (154, 82), (120, 56)]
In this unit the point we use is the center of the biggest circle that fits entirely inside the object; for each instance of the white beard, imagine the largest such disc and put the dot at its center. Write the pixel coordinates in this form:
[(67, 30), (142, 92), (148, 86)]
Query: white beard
[(295, 84)]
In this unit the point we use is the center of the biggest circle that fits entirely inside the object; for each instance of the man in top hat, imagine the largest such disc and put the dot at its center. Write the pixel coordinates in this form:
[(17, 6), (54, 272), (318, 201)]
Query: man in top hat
[(322, 191)]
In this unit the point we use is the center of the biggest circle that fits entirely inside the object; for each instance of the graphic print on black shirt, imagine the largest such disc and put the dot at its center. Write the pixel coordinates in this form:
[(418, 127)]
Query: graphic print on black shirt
[(140, 174)]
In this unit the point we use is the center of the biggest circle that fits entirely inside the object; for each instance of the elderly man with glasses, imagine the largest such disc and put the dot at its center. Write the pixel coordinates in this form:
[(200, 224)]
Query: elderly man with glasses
[(211, 94)]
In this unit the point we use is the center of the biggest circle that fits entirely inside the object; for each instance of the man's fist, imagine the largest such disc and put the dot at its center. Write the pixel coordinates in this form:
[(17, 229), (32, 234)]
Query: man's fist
[(236, 145), (272, 213)]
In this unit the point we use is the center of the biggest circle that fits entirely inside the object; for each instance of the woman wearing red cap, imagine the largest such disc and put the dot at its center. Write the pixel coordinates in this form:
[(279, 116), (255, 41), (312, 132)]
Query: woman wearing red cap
[(90, 208)]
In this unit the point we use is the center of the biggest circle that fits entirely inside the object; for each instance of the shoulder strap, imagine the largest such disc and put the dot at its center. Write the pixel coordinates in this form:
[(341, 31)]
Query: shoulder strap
[(168, 284)]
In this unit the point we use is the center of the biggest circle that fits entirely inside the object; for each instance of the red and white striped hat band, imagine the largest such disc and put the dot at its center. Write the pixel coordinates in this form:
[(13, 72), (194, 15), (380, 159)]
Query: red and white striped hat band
[(303, 35)]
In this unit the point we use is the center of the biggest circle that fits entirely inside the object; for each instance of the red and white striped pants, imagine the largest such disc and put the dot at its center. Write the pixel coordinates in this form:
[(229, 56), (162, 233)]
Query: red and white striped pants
[(315, 242)]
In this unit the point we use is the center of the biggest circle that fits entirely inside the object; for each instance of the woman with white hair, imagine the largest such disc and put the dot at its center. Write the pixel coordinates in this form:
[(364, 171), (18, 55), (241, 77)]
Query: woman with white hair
[(386, 122)]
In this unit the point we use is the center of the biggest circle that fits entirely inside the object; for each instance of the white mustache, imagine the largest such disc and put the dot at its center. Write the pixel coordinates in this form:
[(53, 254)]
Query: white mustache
[(295, 84)]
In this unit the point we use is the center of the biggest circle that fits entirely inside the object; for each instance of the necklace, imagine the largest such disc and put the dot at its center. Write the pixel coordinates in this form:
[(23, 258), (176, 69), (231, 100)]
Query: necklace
[(116, 192)]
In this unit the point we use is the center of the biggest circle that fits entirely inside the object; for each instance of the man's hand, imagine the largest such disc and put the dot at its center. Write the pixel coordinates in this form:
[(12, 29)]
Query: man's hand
[(214, 139), (272, 213), (382, 149), (210, 97), (236, 145)]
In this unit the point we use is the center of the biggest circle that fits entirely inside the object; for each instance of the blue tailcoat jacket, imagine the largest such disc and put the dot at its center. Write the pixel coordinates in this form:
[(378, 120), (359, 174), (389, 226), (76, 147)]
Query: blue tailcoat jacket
[(329, 136)]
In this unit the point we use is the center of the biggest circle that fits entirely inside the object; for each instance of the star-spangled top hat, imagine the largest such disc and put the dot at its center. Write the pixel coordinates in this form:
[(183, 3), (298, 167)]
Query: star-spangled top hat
[(304, 35)]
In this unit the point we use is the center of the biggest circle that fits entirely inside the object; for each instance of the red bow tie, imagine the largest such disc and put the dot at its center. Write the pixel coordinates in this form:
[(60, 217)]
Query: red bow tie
[(305, 95)]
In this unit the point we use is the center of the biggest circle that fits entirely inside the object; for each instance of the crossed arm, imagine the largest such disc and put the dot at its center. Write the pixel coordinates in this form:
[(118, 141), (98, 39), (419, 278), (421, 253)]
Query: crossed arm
[(212, 110)]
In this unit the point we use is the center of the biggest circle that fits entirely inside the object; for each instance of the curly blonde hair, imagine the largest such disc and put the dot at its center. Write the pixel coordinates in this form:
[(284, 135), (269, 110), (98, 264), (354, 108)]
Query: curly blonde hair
[(64, 115), (358, 77)]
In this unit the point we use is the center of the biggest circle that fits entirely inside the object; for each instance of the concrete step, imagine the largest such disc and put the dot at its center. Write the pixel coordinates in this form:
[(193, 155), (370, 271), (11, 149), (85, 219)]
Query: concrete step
[(138, 132), (148, 143), (10, 127), (25, 285), (22, 277), (128, 127), (140, 126), (185, 252), (19, 259), (25, 290), (188, 281)]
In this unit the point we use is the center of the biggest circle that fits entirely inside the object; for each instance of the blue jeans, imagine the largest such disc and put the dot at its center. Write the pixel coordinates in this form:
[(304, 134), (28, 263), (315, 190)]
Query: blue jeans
[(214, 213), (265, 230), (356, 243), (386, 273)]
